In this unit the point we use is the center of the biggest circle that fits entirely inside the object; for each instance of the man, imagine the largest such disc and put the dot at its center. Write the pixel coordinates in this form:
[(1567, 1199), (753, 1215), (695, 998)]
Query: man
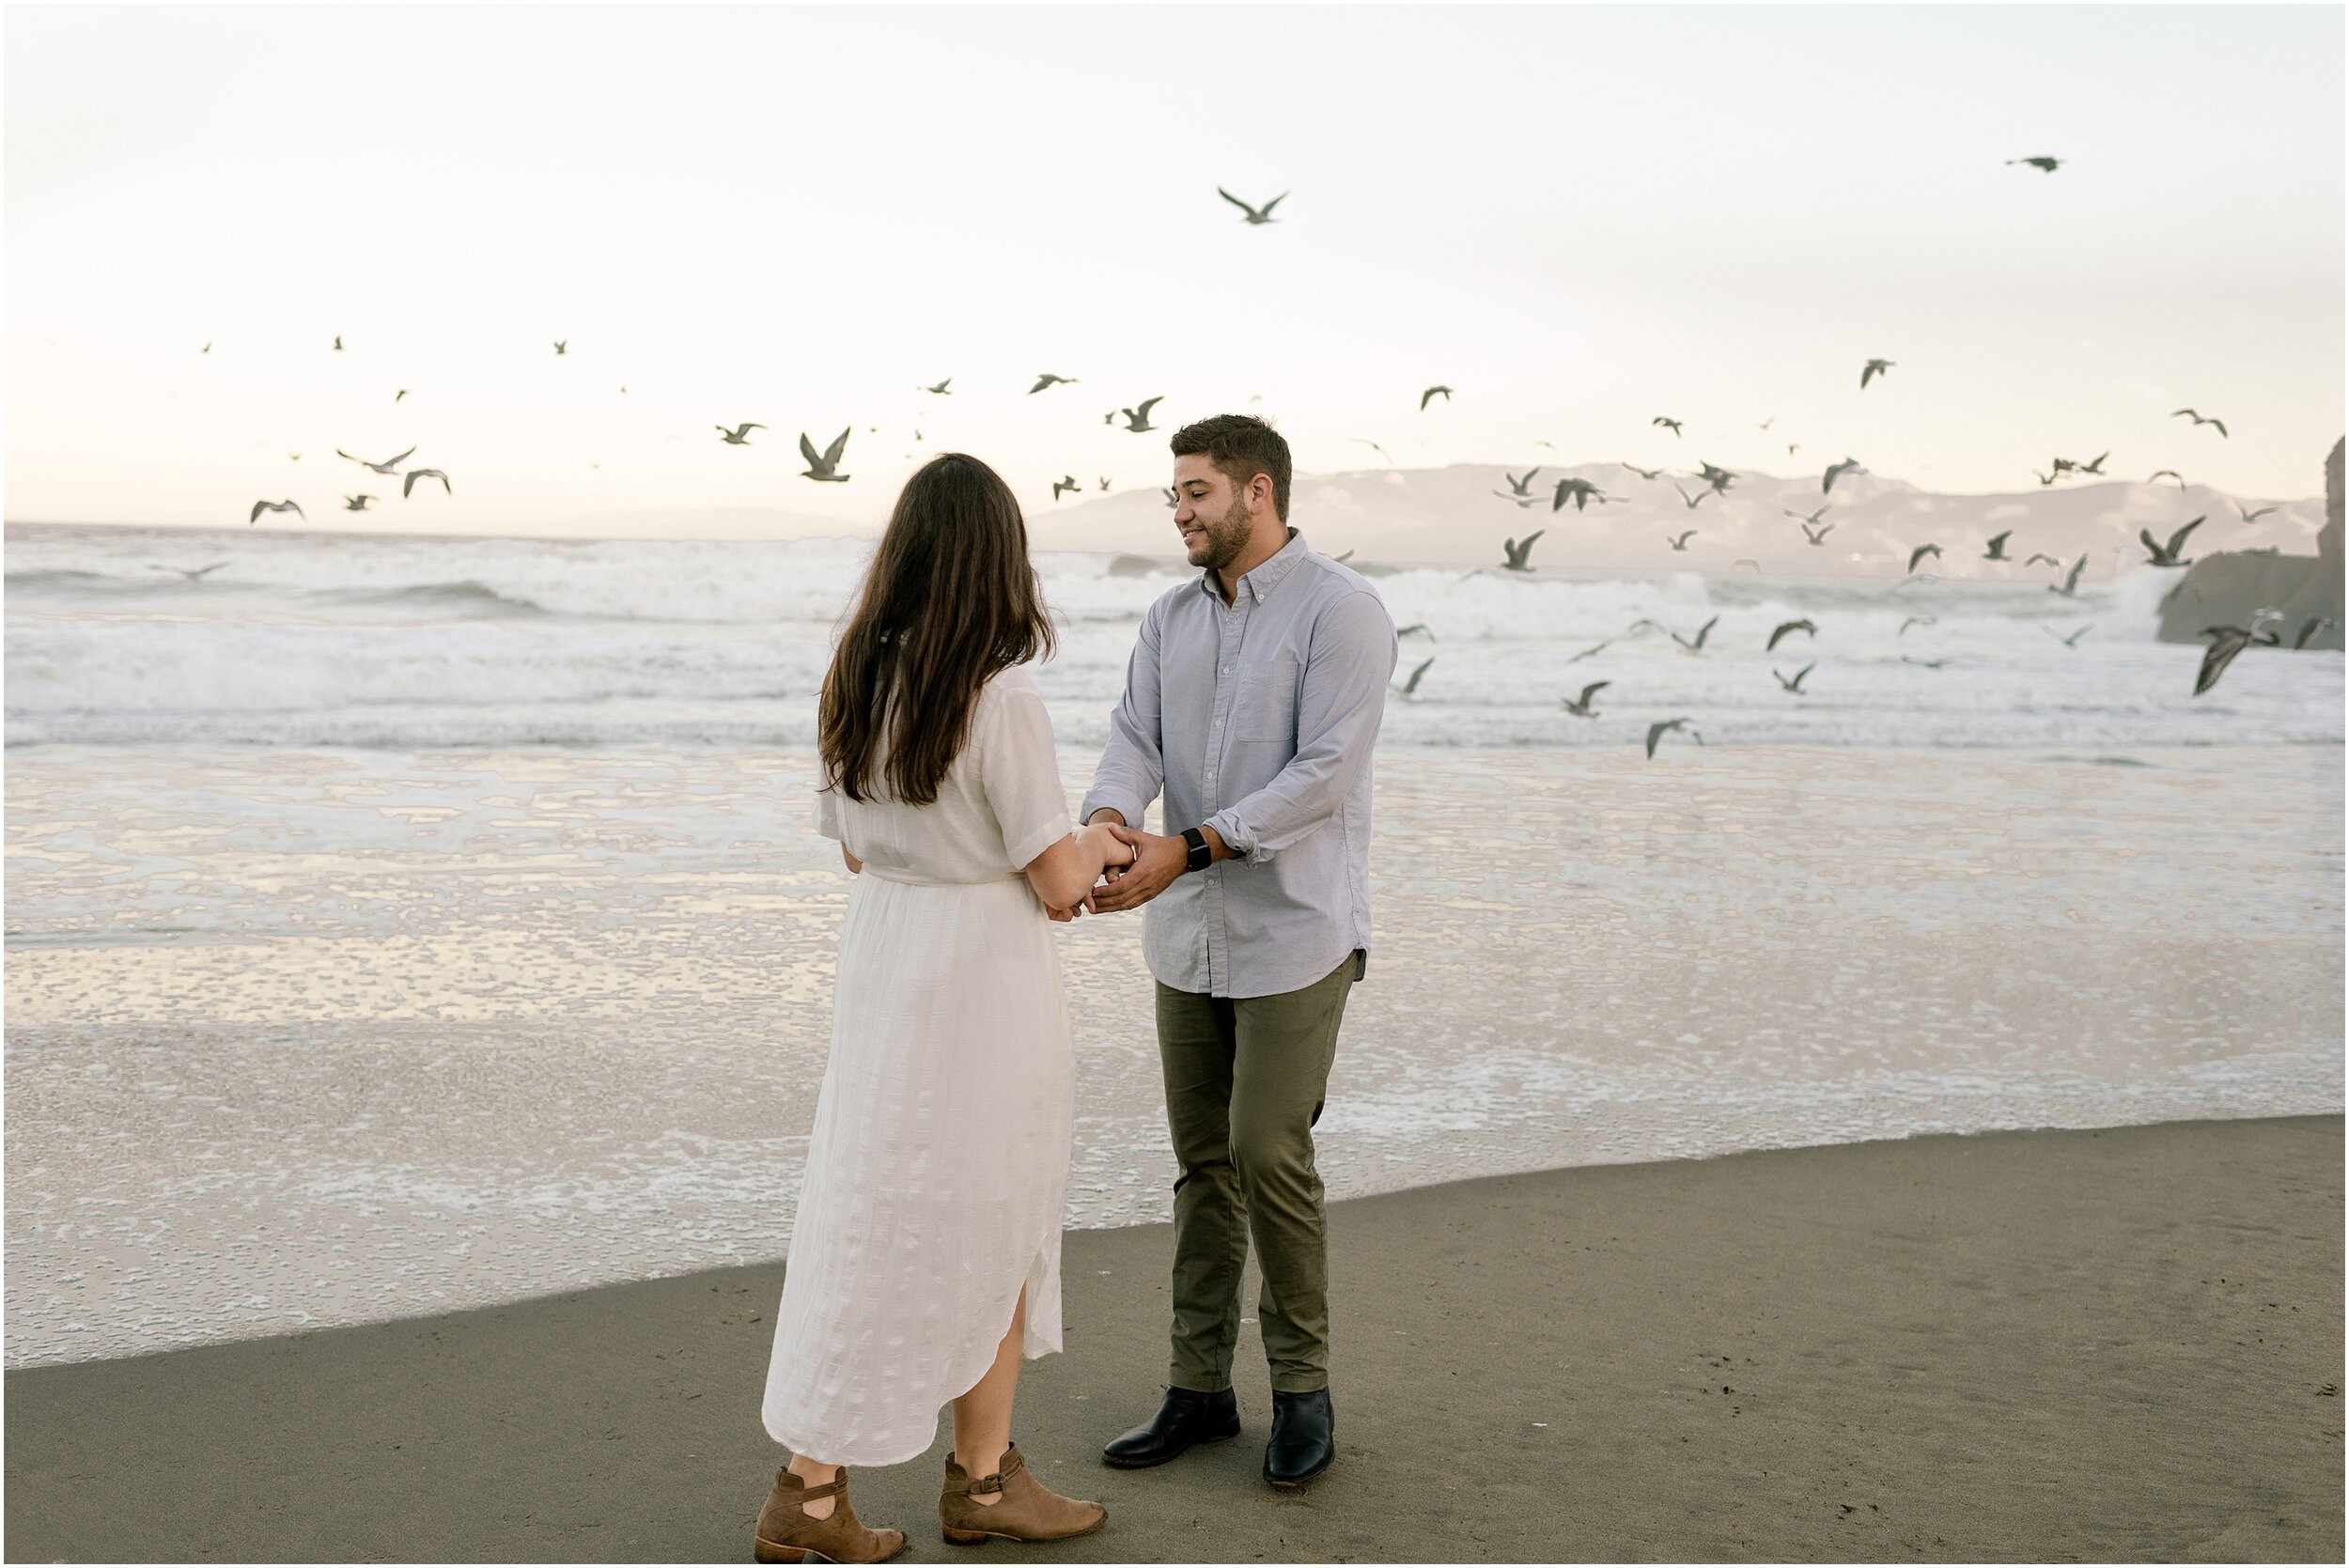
[(1252, 701)]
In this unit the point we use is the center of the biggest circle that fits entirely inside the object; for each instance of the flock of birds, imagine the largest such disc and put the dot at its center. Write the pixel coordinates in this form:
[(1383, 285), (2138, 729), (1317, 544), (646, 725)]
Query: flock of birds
[(1711, 480)]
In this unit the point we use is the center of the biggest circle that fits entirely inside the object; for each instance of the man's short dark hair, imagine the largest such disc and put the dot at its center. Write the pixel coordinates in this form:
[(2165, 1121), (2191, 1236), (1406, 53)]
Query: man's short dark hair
[(1240, 446)]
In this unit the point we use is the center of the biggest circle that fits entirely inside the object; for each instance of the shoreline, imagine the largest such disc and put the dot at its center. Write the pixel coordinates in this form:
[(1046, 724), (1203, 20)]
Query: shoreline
[(2116, 1345)]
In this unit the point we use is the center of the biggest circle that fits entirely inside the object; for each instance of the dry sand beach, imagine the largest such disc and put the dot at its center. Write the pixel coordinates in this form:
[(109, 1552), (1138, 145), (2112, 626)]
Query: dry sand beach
[(2063, 1345)]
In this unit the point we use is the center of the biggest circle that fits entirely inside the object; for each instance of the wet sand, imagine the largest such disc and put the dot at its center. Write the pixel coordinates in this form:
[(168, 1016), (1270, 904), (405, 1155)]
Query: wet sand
[(2115, 1345)]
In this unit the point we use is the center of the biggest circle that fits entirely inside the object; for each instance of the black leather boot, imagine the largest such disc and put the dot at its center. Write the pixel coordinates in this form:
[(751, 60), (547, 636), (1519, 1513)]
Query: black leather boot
[(1185, 1417), (1304, 1438)]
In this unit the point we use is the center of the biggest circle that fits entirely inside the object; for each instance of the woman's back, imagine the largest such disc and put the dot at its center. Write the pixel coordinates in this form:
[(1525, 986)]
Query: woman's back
[(999, 806)]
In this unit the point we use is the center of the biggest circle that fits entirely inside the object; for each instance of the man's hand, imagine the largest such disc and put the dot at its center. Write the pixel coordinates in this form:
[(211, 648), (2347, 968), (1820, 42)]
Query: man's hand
[(1158, 861)]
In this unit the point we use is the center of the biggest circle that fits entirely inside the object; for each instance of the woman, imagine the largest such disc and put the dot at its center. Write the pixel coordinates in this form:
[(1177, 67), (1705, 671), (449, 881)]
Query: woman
[(930, 1215)]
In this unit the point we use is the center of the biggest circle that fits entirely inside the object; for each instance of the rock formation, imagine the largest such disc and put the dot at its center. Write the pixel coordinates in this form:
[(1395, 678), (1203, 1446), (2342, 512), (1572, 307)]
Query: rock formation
[(2222, 589)]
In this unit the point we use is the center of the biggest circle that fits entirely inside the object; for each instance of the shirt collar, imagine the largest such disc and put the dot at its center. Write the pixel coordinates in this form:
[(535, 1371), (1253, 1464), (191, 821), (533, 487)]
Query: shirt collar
[(1266, 575)]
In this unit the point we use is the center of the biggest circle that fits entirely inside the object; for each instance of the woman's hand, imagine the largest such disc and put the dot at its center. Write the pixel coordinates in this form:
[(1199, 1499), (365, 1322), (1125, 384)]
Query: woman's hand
[(1114, 850)]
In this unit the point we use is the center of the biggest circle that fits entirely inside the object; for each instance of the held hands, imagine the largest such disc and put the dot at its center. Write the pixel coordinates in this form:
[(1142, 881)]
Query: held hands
[(1116, 853), (1154, 863)]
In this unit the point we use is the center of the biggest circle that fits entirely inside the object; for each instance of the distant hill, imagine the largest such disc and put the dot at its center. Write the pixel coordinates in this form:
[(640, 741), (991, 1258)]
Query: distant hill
[(1451, 517)]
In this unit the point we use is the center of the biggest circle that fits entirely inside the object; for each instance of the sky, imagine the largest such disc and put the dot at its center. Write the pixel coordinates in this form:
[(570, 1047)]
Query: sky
[(1579, 218)]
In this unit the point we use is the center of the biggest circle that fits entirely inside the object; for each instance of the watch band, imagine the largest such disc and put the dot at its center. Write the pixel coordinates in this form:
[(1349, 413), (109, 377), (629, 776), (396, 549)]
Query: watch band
[(1200, 856)]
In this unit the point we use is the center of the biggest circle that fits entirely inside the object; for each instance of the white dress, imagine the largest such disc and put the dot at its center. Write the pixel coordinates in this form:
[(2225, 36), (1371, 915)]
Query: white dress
[(938, 1164)]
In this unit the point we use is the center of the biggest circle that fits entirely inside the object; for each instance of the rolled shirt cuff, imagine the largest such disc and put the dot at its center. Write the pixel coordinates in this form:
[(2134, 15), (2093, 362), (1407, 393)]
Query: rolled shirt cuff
[(1242, 842), (1125, 805)]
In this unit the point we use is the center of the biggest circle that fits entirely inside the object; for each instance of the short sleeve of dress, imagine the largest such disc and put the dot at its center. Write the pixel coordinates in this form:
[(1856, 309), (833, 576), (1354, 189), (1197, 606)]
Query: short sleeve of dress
[(1017, 771), (827, 812)]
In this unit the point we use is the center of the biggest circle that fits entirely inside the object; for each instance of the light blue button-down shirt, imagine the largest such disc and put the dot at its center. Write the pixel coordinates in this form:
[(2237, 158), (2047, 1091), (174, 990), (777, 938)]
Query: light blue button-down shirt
[(1256, 718)]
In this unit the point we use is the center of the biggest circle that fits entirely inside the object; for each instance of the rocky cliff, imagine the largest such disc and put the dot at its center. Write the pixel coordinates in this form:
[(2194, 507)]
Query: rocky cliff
[(2223, 589)]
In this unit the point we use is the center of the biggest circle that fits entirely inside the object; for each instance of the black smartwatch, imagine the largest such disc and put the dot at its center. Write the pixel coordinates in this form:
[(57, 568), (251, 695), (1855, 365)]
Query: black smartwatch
[(1200, 856)]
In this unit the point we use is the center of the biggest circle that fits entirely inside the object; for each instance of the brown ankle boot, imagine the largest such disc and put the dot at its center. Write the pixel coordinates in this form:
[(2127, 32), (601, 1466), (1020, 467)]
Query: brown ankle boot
[(1030, 1510), (786, 1533)]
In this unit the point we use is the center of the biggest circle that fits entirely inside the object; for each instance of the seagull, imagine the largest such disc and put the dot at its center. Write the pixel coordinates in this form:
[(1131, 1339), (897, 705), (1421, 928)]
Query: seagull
[(1518, 550), (260, 506), (356, 503), (1803, 626), (1818, 536), (2253, 515), (1048, 379), (2043, 164), (339, 342), (740, 434), (1255, 214), (1591, 649), (1168, 491), (1066, 482), (1835, 471), (1928, 663), (1767, 422), (2078, 632), (1138, 419), (2048, 478), (1672, 423), (562, 344), (1807, 518), (1794, 685), (196, 574), (2096, 467), (1411, 685), (400, 393), (1105, 483), (1693, 501), (2171, 471), (2167, 555), (389, 465), (1520, 486), (1649, 473), (1430, 393), (1366, 441), (1874, 367), (1741, 562), (1581, 706), (1349, 556), (1682, 541), (1996, 549), (1656, 733), (1920, 552), (2227, 640), (1719, 478), (1420, 627), (2309, 628), (408, 481), (2223, 430), (1697, 644), (941, 388), (1915, 620), (824, 469), (206, 349), (2071, 579), (2037, 556), (1579, 491)]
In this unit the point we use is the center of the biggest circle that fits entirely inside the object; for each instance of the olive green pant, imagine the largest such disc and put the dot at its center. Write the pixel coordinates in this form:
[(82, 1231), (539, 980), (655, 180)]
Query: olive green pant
[(1245, 1080)]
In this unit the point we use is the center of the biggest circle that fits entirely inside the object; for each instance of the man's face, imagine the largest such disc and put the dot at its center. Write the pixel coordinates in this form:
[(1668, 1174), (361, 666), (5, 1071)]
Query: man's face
[(1210, 513)]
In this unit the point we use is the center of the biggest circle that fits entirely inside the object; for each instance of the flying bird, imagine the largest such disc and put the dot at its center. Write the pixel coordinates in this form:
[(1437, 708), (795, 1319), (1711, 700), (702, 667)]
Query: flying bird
[(1518, 551), (2043, 164), (1835, 471), (941, 388), (1928, 663), (1818, 535), (1681, 542), (1874, 367), (1656, 733), (1995, 550), (1915, 620), (741, 434), (1920, 552), (2199, 419), (408, 481), (400, 393), (388, 466), (1168, 491), (2254, 516), (206, 349), (1794, 685), (1430, 393), (1672, 423), (2171, 471), (2226, 641), (1520, 485), (1693, 501), (1742, 562), (825, 469), (1649, 473), (1066, 482), (1807, 518), (1255, 214), (1594, 647), (562, 344), (1580, 491), (2078, 632), (1803, 626), (1419, 627), (2071, 579), (2096, 467), (1138, 419), (260, 506), (2037, 556), (1105, 483), (339, 342), (1581, 706), (1719, 478), (356, 503), (2167, 554), (1366, 441), (1411, 685), (1696, 645), (1048, 379), (2309, 628)]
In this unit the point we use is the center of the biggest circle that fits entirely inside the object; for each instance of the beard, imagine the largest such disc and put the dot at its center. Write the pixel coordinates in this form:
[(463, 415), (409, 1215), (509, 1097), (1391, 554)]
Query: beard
[(1223, 538)]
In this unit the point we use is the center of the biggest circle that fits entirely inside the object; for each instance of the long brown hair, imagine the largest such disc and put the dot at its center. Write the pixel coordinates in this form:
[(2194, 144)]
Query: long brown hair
[(951, 599)]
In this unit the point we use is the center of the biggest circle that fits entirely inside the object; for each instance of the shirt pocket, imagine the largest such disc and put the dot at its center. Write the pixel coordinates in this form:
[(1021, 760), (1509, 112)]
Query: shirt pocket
[(1264, 704)]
